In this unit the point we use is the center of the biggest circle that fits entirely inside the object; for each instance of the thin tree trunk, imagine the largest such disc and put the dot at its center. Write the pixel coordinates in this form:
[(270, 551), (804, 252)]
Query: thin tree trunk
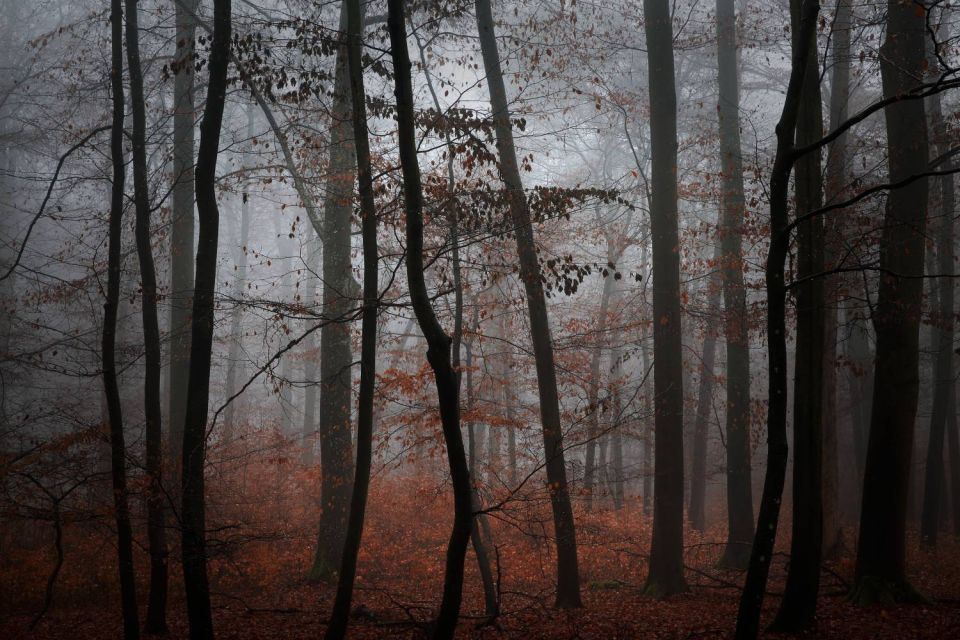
[(336, 358), (118, 467), (881, 553), (308, 432), (156, 621), (368, 347), (193, 506), (736, 327), (751, 599), (181, 227), (234, 367), (593, 399), (698, 467), (438, 342), (568, 573), (666, 549), (799, 604)]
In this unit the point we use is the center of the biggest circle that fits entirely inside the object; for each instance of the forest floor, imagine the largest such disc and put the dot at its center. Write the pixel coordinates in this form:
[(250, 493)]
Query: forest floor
[(259, 587)]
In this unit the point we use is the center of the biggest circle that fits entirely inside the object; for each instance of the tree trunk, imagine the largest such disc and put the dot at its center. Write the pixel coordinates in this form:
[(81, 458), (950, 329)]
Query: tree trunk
[(308, 431), (193, 507), (181, 228), (833, 192), (568, 573), (736, 328), (666, 549), (118, 452), (593, 399), (698, 468), (943, 328), (751, 599), (156, 621), (881, 552), (799, 604), (438, 342), (336, 359), (234, 368), (368, 347)]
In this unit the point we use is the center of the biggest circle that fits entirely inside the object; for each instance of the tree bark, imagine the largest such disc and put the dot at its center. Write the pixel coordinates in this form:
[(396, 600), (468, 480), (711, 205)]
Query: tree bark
[(736, 327), (751, 599), (438, 342), (118, 452), (156, 621), (336, 358), (568, 573), (368, 347), (193, 506), (666, 549), (181, 227), (881, 553), (799, 604)]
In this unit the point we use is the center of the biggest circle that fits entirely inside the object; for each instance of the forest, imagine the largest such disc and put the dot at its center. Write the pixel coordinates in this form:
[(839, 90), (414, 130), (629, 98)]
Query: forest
[(473, 319)]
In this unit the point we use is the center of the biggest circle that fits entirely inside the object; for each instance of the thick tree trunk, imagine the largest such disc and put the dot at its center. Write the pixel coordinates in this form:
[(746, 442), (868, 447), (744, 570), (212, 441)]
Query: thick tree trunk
[(881, 552), (568, 573), (118, 453), (833, 191), (736, 327), (193, 506), (181, 228), (336, 359), (666, 549), (156, 621), (761, 555), (438, 342), (799, 604), (368, 347)]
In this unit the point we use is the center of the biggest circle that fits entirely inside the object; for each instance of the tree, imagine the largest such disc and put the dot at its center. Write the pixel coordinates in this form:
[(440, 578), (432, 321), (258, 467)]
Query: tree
[(336, 359), (833, 190), (666, 549), (761, 554), (881, 551), (182, 224), (736, 328), (118, 453), (438, 342), (799, 604), (568, 572), (193, 505), (156, 621), (368, 350)]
